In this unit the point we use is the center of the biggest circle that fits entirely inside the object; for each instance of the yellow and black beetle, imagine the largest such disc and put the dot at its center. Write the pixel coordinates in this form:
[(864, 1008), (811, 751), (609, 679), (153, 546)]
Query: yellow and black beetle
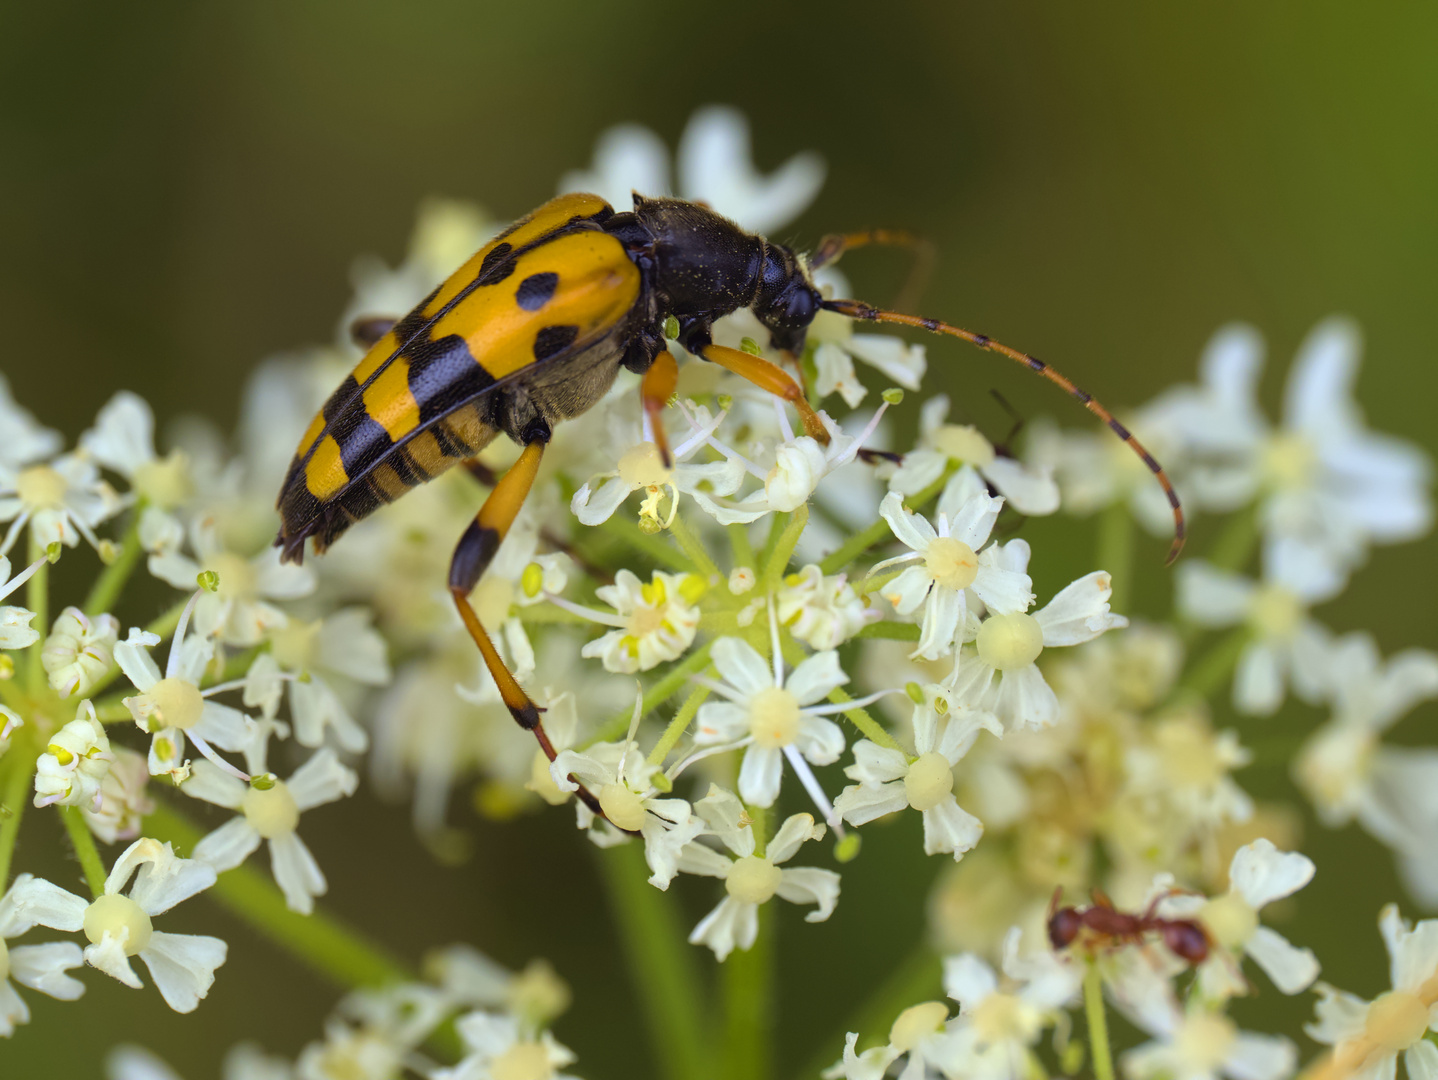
[(532, 330)]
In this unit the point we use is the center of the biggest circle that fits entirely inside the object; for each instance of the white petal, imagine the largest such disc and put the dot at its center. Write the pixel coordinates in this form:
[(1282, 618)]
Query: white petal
[(948, 827), (899, 361), (1002, 591), (183, 966), (974, 520), (703, 861), (1292, 969), (137, 1063), (810, 885), (296, 872), (37, 902), (910, 589), (875, 764), (108, 955), (819, 740), (741, 666), (223, 726), (135, 661), (1024, 699), (1260, 1057), (729, 925), (1263, 874), (13, 1009), (714, 167), (627, 158), (860, 804), (968, 980), (1029, 489), (597, 507), (912, 530), (1210, 596), (43, 967), (1079, 612), (229, 845), (796, 829), (1258, 680), (943, 618), (322, 779), (209, 782), (1421, 1061), (1319, 394), (760, 774), (720, 721), (816, 678), (166, 881)]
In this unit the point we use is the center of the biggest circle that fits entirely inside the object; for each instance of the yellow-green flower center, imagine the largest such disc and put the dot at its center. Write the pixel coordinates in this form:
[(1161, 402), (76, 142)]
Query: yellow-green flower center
[(1005, 1017), (271, 811), (1396, 1020), (165, 482), (41, 488), (964, 444), (1013, 641), (1288, 461), (951, 563), (1276, 612), (622, 807), (774, 717), (177, 703), (915, 1022), (1205, 1041), (522, 1061), (295, 644), (641, 466), (122, 918), (753, 880), (1229, 919), (929, 781)]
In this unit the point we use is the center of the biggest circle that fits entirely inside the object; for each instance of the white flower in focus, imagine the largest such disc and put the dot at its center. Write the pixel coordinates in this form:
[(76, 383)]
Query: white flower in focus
[(269, 809), (821, 611), (498, 1049), (120, 810), (750, 879), (1196, 1044), (172, 707), (120, 926), (623, 781), (238, 612), (40, 967), (889, 780), (714, 167), (1287, 645), (15, 629), (1369, 1036), (654, 622), (1001, 675), (22, 438), (771, 716), (1029, 489), (62, 501), (75, 762), (953, 565), (79, 650), (1258, 875)]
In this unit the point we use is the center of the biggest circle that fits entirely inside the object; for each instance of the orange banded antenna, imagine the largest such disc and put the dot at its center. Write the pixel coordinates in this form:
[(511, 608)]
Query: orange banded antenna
[(855, 309)]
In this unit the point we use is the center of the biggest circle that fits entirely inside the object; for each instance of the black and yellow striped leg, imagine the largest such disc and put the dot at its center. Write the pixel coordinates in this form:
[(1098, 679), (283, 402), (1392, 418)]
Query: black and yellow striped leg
[(767, 376), (472, 556), (368, 329), (654, 392)]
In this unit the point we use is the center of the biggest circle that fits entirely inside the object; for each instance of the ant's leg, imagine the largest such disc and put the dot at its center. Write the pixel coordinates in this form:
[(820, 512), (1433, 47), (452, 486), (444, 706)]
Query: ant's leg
[(368, 329), (766, 376), (472, 556), (655, 391)]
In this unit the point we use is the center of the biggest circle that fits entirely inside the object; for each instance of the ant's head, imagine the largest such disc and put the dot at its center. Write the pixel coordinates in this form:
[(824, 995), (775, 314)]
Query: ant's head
[(1187, 940), (1064, 926), (787, 300)]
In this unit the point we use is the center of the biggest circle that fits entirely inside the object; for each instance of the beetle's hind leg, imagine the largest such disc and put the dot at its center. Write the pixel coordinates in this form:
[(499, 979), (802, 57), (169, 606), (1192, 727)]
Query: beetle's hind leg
[(472, 556), (767, 376), (655, 391)]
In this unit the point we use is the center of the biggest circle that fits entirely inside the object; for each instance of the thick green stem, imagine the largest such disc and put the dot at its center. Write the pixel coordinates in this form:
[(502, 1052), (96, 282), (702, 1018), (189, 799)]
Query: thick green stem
[(37, 599), (690, 545), (1097, 1024), (675, 730), (878, 532), (112, 579), (1115, 551), (322, 941), (661, 964), (672, 682), (1208, 672), (780, 549), (742, 548), (891, 631), (85, 849), (748, 991), (16, 767)]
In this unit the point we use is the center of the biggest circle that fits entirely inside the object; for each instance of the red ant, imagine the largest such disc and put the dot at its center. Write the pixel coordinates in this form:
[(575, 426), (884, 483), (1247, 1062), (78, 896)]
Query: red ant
[(1185, 938)]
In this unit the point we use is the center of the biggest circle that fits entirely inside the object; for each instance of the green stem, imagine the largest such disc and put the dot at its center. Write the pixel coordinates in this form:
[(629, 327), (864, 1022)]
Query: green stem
[(1115, 551), (672, 682), (111, 582), (1208, 672), (918, 978), (85, 849), (891, 631), (677, 726), (660, 963), (783, 549), (17, 786), (326, 944), (742, 548), (689, 543), (748, 992), (1097, 1024), (647, 543), (37, 599), (879, 531), (1234, 546)]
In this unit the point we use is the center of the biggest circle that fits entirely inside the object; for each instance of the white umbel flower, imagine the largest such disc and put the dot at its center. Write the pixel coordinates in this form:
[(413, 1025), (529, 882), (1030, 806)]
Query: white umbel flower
[(653, 622), (919, 1034), (270, 809), (889, 780), (40, 967), (1197, 1044), (75, 762), (750, 879), (953, 566), (1258, 875), (823, 611), (1001, 674), (498, 1049), (120, 926), (62, 501), (79, 650)]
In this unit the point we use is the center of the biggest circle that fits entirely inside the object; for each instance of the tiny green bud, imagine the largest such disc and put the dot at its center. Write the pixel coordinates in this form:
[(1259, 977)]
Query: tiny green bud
[(107, 551), (847, 849), (662, 783), (304, 677), (915, 692), (52, 552), (893, 395), (649, 526), (532, 580), (264, 781), (208, 580), (726, 402), (671, 328), (750, 346), (1071, 1059)]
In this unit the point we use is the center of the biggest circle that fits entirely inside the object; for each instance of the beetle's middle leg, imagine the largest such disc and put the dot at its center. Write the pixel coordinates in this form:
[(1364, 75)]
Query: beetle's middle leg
[(767, 376), (472, 556)]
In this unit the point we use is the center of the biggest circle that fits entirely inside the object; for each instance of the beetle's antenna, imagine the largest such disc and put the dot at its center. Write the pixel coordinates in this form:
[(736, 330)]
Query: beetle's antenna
[(832, 248), (855, 309)]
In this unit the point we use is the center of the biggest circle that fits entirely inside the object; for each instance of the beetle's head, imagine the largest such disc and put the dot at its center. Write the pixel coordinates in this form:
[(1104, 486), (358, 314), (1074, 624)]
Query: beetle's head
[(786, 301)]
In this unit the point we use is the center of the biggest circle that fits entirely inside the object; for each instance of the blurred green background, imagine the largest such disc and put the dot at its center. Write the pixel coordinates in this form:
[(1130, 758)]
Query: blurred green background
[(184, 186)]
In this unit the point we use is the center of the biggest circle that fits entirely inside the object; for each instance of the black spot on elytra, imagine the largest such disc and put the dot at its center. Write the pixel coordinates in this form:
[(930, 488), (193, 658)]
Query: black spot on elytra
[(494, 269), (534, 291), (554, 339)]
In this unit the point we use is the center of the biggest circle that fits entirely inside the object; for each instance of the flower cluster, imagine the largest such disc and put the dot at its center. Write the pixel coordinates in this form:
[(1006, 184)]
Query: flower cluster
[(746, 656)]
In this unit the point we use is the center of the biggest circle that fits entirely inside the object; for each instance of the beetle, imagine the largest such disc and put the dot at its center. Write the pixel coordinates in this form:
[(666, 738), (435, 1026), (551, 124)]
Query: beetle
[(533, 330), (1185, 938)]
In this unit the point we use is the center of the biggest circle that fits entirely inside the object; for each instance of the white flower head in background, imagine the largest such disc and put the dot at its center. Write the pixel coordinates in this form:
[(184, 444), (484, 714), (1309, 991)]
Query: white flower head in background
[(1198, 1044), (496, 1047)]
